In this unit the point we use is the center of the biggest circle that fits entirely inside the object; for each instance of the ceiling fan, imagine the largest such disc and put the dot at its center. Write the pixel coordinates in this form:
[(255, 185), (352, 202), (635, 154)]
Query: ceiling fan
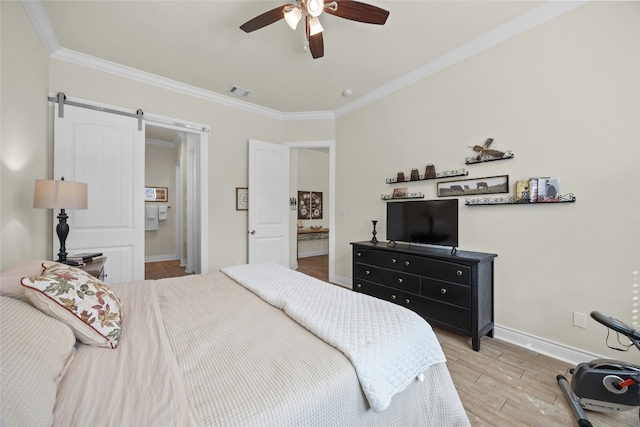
[(311, 10)]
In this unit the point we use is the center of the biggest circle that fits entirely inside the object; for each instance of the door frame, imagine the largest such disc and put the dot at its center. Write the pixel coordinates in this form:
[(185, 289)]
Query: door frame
[(202, 179), (331, 146)]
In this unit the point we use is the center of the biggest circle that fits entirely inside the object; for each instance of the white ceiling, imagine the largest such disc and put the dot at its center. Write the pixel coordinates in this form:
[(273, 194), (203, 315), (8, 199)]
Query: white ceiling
[(199, 43)]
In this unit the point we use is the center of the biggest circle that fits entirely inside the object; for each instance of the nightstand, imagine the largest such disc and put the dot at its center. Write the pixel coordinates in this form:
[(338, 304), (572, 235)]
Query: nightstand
[(95, 268)]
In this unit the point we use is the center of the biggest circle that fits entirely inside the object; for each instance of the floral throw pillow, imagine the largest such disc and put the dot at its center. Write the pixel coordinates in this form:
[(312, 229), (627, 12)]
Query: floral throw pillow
[(80, 300)]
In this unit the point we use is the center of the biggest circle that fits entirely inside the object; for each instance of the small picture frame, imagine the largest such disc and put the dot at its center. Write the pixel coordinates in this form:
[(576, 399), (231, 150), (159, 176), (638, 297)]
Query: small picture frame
[(469, 187), (400, 193), (156, 194), (242, 199)]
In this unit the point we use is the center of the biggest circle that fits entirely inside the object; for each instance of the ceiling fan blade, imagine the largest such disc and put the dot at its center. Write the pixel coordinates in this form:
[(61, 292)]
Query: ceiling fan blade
[(316, 46), (316, 42), (356, 11), (263, 20)]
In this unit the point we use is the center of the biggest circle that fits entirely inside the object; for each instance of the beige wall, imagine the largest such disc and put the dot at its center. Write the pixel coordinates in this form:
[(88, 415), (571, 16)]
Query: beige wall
[(25, 147), (564, 97), (25, 71), (160, 171)]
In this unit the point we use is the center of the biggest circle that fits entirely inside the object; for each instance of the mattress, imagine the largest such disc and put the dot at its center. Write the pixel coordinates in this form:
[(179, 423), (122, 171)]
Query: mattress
[(203, 350)]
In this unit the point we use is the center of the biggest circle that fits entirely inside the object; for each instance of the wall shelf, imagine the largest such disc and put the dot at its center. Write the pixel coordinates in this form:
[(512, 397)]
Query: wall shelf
[(443, 174), (487, 158), (511, 200), (408, 196)]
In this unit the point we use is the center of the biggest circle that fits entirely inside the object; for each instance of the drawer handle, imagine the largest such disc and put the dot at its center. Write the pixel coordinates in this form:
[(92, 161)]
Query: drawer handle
[(443, 291), (393, 260), (406, 263), (407, 301), (393, 297), (459, 272), (359, 254), (367, 272), (358, 285), (400, 280)]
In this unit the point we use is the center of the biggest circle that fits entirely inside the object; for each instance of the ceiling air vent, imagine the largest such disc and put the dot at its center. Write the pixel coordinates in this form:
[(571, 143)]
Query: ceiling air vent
[(238, 91)]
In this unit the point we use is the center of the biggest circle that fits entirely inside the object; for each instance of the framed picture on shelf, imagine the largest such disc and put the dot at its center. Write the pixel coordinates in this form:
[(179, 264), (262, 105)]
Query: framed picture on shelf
[(399, 193), (468, 187), (242, 199), (156, 194)]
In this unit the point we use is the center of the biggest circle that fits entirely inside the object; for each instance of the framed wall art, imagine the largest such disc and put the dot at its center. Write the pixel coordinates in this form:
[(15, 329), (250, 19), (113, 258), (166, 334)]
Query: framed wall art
[(309, 204), (468, 187), (242, 199), (156, 194)]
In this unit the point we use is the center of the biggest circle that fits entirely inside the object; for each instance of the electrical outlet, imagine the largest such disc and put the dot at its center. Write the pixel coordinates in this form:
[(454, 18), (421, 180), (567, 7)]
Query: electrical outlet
[(579, 320)]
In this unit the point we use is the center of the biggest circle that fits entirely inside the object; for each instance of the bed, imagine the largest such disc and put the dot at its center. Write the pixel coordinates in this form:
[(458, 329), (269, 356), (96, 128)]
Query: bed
[(233, 347)]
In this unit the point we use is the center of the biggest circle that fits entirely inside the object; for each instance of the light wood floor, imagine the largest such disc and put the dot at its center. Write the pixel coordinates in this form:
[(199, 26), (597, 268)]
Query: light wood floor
[(501, 385)]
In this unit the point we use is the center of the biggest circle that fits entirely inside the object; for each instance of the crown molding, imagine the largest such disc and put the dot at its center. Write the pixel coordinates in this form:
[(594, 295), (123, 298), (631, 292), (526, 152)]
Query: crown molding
[(525, 22), (540, 15), (40, 21)]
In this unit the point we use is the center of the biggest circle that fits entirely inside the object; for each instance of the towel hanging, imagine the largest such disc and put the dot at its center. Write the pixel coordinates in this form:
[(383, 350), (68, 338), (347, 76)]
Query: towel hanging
[(150, 218), (162, 212)]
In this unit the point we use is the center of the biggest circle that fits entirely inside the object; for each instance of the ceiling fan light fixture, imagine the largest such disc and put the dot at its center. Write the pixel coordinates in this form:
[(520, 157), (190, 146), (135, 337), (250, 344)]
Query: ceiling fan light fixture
[(293, 16), (315, 27), (314, 7)]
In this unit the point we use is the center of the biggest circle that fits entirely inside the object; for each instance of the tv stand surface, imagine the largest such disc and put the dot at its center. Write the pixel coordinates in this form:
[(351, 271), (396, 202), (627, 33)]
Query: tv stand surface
[(450, 289)]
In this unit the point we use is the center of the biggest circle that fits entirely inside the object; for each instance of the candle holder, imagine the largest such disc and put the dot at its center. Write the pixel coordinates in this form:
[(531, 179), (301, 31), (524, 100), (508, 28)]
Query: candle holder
[(374, 232)]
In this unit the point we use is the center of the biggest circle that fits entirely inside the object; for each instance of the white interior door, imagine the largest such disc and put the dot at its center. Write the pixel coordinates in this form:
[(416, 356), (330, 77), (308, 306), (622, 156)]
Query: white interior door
[(106, 151), (268, 203)]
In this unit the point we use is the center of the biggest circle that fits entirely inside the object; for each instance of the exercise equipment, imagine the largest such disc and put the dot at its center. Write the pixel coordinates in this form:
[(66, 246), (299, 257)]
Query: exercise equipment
[(604, 385)]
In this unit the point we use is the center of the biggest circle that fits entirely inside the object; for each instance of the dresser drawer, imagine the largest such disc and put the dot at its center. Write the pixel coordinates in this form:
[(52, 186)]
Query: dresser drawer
[(385, 293), (442, 313), (365, 256), (437, 269), (401, 280), (369, 272), (446, 292)]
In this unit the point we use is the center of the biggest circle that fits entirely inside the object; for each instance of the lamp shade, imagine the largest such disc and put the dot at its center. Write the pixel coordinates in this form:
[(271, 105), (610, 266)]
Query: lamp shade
[(51, 194), (315, 27), (292, 17)]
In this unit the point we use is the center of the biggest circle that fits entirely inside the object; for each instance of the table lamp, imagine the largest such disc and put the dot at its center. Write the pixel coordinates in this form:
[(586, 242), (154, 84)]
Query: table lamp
[(51, 194)]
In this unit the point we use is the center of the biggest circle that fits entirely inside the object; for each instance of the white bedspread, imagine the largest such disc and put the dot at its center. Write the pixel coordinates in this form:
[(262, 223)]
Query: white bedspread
[(388, 345)]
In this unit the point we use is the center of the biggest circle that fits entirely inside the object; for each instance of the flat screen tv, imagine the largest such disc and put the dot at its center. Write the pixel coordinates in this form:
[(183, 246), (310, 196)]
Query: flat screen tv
[(431, 222)]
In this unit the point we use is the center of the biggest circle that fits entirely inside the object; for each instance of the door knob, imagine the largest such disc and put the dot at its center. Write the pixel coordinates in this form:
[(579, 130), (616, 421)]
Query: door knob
[(253, 232)]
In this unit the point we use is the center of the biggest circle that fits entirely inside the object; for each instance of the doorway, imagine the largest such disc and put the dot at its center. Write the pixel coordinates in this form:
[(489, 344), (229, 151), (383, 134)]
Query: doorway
[(317, 255), (172, 163)]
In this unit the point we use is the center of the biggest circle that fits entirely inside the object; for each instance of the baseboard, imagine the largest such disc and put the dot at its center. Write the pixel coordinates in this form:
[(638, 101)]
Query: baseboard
[(547, 347), (522, 339), (342, 281), (156, 258)]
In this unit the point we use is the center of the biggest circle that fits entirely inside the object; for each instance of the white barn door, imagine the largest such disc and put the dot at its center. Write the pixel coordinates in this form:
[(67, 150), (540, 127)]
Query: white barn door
[(106, 151), (268, 203)]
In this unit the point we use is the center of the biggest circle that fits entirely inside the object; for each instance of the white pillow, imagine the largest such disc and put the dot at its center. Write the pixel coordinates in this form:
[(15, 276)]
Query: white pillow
[(36, 349), (80, 300), (10, 279)]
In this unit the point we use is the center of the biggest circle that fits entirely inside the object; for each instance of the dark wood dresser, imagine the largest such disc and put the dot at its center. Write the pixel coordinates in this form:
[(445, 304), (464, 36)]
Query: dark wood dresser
[(453, 291)]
